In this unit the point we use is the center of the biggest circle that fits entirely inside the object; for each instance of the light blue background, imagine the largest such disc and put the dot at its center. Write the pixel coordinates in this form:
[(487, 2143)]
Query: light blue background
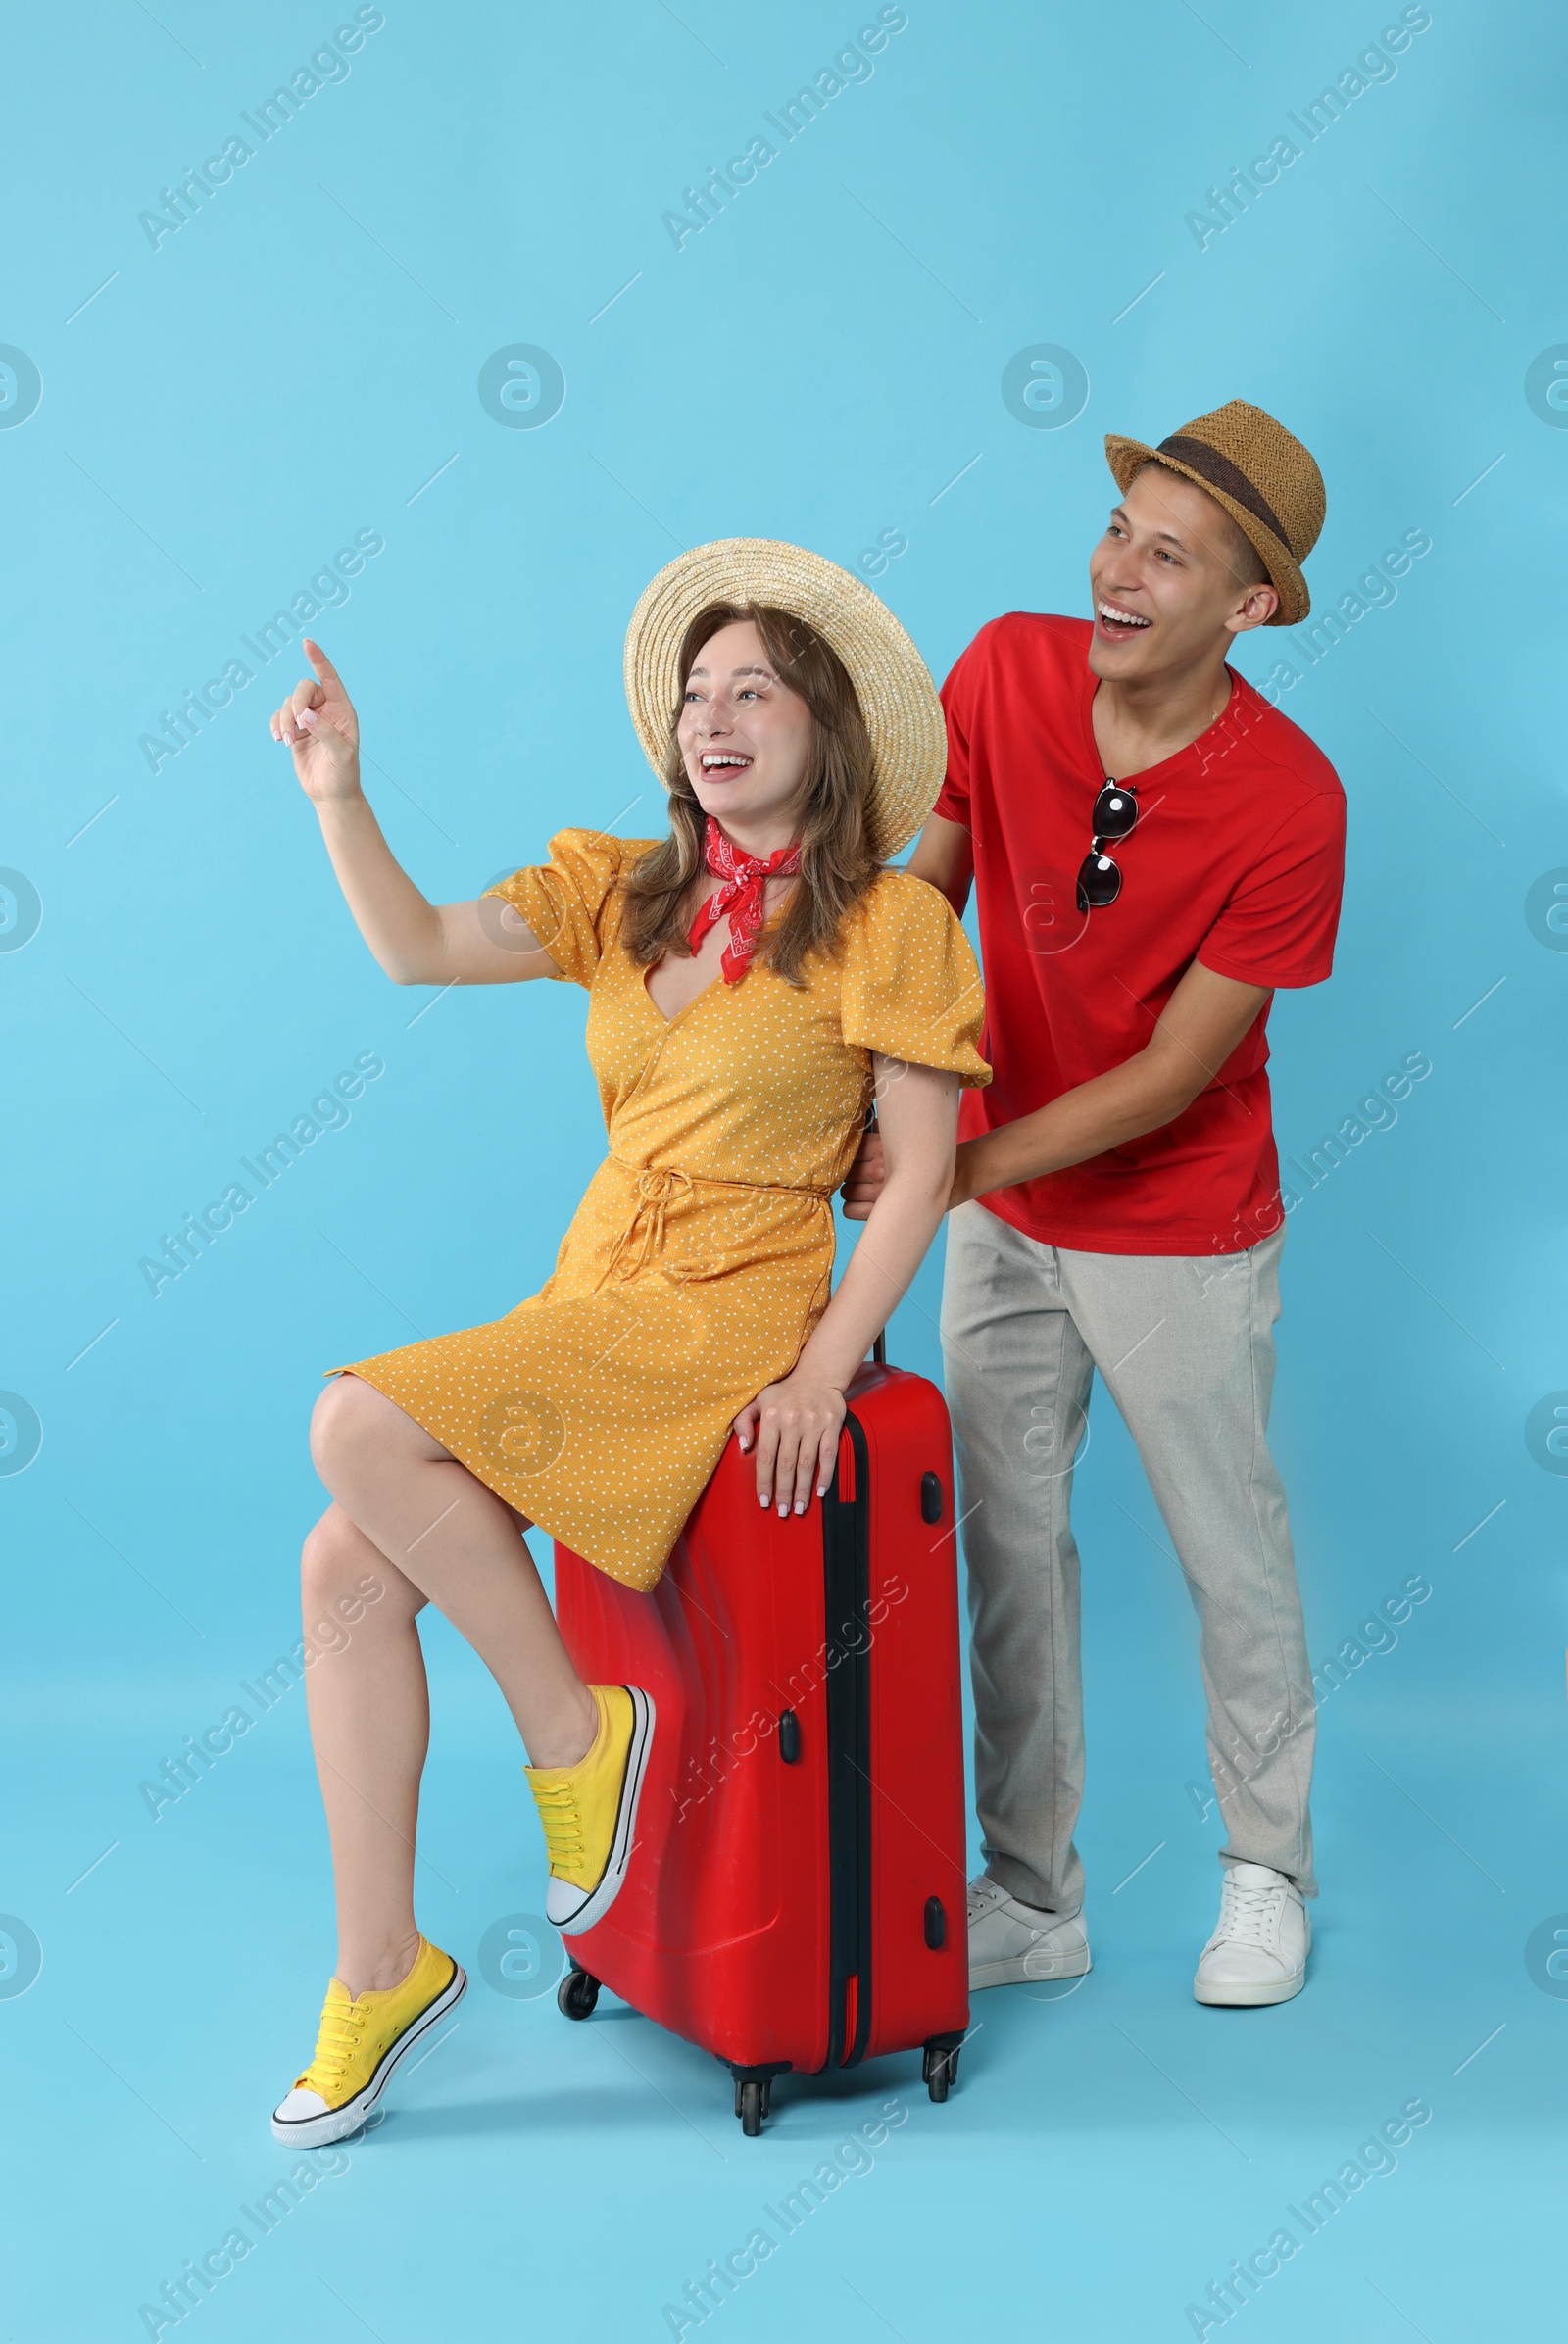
[(299, 361)]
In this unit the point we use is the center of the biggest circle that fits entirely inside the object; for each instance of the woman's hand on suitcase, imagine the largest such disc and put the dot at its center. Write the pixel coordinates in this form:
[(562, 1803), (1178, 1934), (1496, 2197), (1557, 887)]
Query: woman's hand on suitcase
[(794, 1425)]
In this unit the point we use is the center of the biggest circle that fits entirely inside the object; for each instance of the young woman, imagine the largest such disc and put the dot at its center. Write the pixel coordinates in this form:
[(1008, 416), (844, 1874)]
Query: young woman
[(754, 979)]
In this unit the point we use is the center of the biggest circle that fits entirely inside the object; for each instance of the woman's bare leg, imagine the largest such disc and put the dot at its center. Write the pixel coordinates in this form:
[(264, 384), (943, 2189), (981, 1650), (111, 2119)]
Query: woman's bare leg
[(370, 1727), (453, 1539)]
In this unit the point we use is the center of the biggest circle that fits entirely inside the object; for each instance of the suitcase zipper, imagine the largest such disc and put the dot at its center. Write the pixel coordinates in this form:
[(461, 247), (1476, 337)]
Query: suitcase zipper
[(846, 1604)]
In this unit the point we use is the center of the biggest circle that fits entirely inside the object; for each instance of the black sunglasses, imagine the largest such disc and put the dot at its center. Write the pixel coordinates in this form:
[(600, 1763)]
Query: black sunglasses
[(1099, 878)]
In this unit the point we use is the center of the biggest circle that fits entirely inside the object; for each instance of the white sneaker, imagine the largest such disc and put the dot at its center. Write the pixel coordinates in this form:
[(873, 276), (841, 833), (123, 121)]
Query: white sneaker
[(1017, 1944), (1258, 1951)]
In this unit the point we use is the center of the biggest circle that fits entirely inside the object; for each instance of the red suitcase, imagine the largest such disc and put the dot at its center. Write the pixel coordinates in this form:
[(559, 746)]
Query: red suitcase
[(796, 1901)]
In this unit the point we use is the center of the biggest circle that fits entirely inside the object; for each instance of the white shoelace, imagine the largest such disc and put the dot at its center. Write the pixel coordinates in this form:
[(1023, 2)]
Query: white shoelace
[(1250, 1916)]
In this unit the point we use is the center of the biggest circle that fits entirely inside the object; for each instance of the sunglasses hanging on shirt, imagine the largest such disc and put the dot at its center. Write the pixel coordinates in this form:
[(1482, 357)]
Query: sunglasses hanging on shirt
[(1098, 877)]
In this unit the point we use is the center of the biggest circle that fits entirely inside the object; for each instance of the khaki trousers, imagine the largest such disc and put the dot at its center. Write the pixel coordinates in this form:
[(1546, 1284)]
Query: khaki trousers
[(1184, 1347)]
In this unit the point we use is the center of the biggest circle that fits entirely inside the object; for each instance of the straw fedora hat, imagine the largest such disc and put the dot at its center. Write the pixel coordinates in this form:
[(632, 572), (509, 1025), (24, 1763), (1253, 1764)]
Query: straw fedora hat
[(1266, 482), (897, 699)]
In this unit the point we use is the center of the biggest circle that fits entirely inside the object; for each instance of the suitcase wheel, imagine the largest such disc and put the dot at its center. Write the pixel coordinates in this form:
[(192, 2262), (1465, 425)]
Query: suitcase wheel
[(753, 2098), (752, 2101), (939, 2067), (578, 1994)]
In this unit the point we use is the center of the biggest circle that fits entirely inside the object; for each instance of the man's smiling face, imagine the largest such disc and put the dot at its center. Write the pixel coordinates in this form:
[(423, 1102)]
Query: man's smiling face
[(1172, 578)]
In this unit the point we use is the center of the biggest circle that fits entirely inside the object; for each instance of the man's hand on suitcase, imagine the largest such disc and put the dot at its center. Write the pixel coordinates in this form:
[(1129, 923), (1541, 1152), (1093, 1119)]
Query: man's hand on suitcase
[(794, 1425), (867, 1174)]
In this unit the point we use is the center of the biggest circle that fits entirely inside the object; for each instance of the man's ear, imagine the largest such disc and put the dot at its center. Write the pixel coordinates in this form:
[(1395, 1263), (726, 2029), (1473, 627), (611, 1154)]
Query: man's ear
[(1255, 610)]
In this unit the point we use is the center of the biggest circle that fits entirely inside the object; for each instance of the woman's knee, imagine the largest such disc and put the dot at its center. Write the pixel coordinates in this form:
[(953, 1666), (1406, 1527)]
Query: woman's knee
[(342, 1575), (343, 1424), (356, 1431), (333, 1557)]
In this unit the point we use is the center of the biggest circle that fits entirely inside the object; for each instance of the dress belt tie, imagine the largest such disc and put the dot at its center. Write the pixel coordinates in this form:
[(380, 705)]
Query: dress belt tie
[(654, 1192)]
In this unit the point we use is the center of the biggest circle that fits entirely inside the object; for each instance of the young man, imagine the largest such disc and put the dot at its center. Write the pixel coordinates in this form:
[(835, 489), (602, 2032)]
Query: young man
[(1155, 849)]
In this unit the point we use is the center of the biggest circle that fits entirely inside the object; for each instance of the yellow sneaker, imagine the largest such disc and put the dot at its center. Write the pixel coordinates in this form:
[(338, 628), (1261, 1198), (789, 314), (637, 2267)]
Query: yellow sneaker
[(362, 2039), (589, 1811)]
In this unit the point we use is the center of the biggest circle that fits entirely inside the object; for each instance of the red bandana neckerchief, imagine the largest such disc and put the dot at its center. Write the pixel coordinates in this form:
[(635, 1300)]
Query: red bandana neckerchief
[(741, 896)]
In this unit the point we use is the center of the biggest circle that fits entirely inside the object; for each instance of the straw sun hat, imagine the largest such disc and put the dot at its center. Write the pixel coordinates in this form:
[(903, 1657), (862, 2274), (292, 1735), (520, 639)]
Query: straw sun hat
[(1264, 478), (897, 699)]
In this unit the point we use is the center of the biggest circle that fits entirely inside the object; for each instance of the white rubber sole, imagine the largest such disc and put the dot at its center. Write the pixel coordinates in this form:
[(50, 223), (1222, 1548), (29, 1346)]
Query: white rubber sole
[(1243, 1995), (336, 2123), (593, 1907), (1029, 1970)]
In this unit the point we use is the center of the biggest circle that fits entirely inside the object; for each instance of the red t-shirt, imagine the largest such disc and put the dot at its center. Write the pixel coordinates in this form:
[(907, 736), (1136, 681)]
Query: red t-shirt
[(1236, 860)]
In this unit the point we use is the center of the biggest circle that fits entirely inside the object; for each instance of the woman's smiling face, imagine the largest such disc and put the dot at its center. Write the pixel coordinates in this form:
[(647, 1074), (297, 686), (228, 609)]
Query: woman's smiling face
[(745, 736)]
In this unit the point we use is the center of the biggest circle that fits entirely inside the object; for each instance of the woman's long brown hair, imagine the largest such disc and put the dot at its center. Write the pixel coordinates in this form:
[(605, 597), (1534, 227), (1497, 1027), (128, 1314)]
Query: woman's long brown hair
[(838, 848)]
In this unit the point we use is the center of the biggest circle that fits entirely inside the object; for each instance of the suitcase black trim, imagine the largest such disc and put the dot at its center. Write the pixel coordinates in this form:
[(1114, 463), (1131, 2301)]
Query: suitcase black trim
[(847, 1606)]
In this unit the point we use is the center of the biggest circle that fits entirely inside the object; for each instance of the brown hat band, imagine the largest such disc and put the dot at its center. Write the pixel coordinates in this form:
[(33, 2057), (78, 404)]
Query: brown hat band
[(1220, 471)]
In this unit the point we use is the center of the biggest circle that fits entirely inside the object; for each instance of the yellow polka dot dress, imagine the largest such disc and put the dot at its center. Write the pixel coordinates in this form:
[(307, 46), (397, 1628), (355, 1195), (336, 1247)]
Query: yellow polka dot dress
[(701, 1255)]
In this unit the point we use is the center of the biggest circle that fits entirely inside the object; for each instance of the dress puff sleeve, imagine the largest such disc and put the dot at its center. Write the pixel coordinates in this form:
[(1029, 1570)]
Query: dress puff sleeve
[(566, 901), (912, 986)]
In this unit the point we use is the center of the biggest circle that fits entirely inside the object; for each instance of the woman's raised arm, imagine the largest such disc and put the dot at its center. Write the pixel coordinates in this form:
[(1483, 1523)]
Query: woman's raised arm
[(417, 942)]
